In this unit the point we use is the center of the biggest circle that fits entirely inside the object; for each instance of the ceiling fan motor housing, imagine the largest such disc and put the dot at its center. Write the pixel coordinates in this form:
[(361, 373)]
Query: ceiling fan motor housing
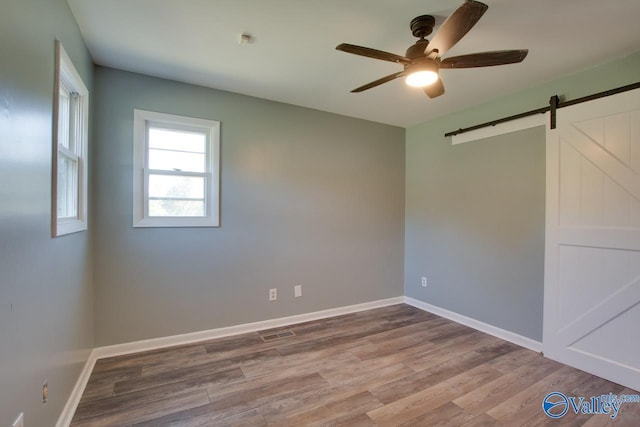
[(417, 50), (426, 64)]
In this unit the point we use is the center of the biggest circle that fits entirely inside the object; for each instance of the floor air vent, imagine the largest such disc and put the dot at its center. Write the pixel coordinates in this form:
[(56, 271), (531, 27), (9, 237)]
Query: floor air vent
[(278, 335)]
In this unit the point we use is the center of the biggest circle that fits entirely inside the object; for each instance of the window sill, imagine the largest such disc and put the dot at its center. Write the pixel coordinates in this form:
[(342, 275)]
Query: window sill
[(68, 226), (175, 222)]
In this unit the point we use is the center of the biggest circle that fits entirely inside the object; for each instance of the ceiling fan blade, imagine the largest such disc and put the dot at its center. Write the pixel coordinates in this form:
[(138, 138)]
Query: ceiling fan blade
[(485, 59), (456, 26), (372, 53), (379, 82), (435, 89)]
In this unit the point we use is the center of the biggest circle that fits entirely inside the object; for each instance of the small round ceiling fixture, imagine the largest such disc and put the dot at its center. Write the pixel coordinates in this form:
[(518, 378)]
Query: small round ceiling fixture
[(245, 38)]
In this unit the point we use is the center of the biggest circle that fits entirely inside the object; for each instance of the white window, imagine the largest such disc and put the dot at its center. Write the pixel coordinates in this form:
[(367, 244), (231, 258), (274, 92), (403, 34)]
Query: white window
[(176, 171), (70, 128)]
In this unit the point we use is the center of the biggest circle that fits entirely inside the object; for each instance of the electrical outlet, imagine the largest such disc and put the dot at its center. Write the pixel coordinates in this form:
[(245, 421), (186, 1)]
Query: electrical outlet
[(45, 391), (19, 422), (424, 282), (297, 291), (273, 294)]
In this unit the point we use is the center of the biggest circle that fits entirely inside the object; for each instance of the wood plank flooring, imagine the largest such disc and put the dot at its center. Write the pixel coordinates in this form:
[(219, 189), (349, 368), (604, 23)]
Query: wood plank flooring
[(393, 366)]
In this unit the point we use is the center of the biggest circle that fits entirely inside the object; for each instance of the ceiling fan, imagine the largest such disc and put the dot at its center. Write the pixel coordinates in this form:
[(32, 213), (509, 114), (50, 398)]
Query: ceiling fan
[(423, 60)]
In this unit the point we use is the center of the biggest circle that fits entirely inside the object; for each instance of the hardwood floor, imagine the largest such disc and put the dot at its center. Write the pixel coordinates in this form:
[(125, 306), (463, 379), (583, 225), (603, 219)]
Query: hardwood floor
[(395, 366)]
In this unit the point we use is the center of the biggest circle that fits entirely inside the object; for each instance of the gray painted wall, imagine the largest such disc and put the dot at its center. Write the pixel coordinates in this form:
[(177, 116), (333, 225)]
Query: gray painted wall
[(474, 217), (308, 198), (46, 299)]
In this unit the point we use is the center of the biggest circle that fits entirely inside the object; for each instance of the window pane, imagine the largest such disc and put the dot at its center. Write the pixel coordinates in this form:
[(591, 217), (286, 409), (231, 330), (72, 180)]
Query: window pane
[(63, 118), (176, 187), (177, 150), (174, 207), (176, 160), (67, 193)]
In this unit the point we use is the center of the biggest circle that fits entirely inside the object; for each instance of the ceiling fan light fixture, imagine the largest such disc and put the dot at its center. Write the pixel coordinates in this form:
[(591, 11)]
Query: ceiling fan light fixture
[(423, 60), (421, 74), (421, 78)]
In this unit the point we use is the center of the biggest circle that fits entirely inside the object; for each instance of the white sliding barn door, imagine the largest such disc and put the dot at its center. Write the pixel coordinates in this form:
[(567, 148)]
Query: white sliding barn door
[(592, 260)]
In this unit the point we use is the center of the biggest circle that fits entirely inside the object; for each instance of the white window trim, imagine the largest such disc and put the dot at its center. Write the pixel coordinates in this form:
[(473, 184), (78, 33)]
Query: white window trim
[(65, 72), (140, 190)]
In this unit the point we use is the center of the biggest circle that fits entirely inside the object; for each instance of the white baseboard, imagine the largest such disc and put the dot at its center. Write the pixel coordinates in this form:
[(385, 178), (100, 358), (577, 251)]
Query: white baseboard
[(76, 394), (156, 343), (476, 324), (189, 338)]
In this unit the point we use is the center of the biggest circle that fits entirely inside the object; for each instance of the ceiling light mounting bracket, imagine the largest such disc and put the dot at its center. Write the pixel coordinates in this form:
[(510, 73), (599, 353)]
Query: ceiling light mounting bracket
[(422, 26)]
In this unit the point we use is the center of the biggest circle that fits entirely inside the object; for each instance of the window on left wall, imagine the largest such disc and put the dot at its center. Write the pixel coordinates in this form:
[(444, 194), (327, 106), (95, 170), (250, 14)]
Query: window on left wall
[(70, 134)]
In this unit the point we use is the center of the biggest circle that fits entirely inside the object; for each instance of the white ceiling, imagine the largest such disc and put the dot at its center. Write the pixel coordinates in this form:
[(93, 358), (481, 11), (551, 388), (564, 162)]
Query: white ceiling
[(293, 57)]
